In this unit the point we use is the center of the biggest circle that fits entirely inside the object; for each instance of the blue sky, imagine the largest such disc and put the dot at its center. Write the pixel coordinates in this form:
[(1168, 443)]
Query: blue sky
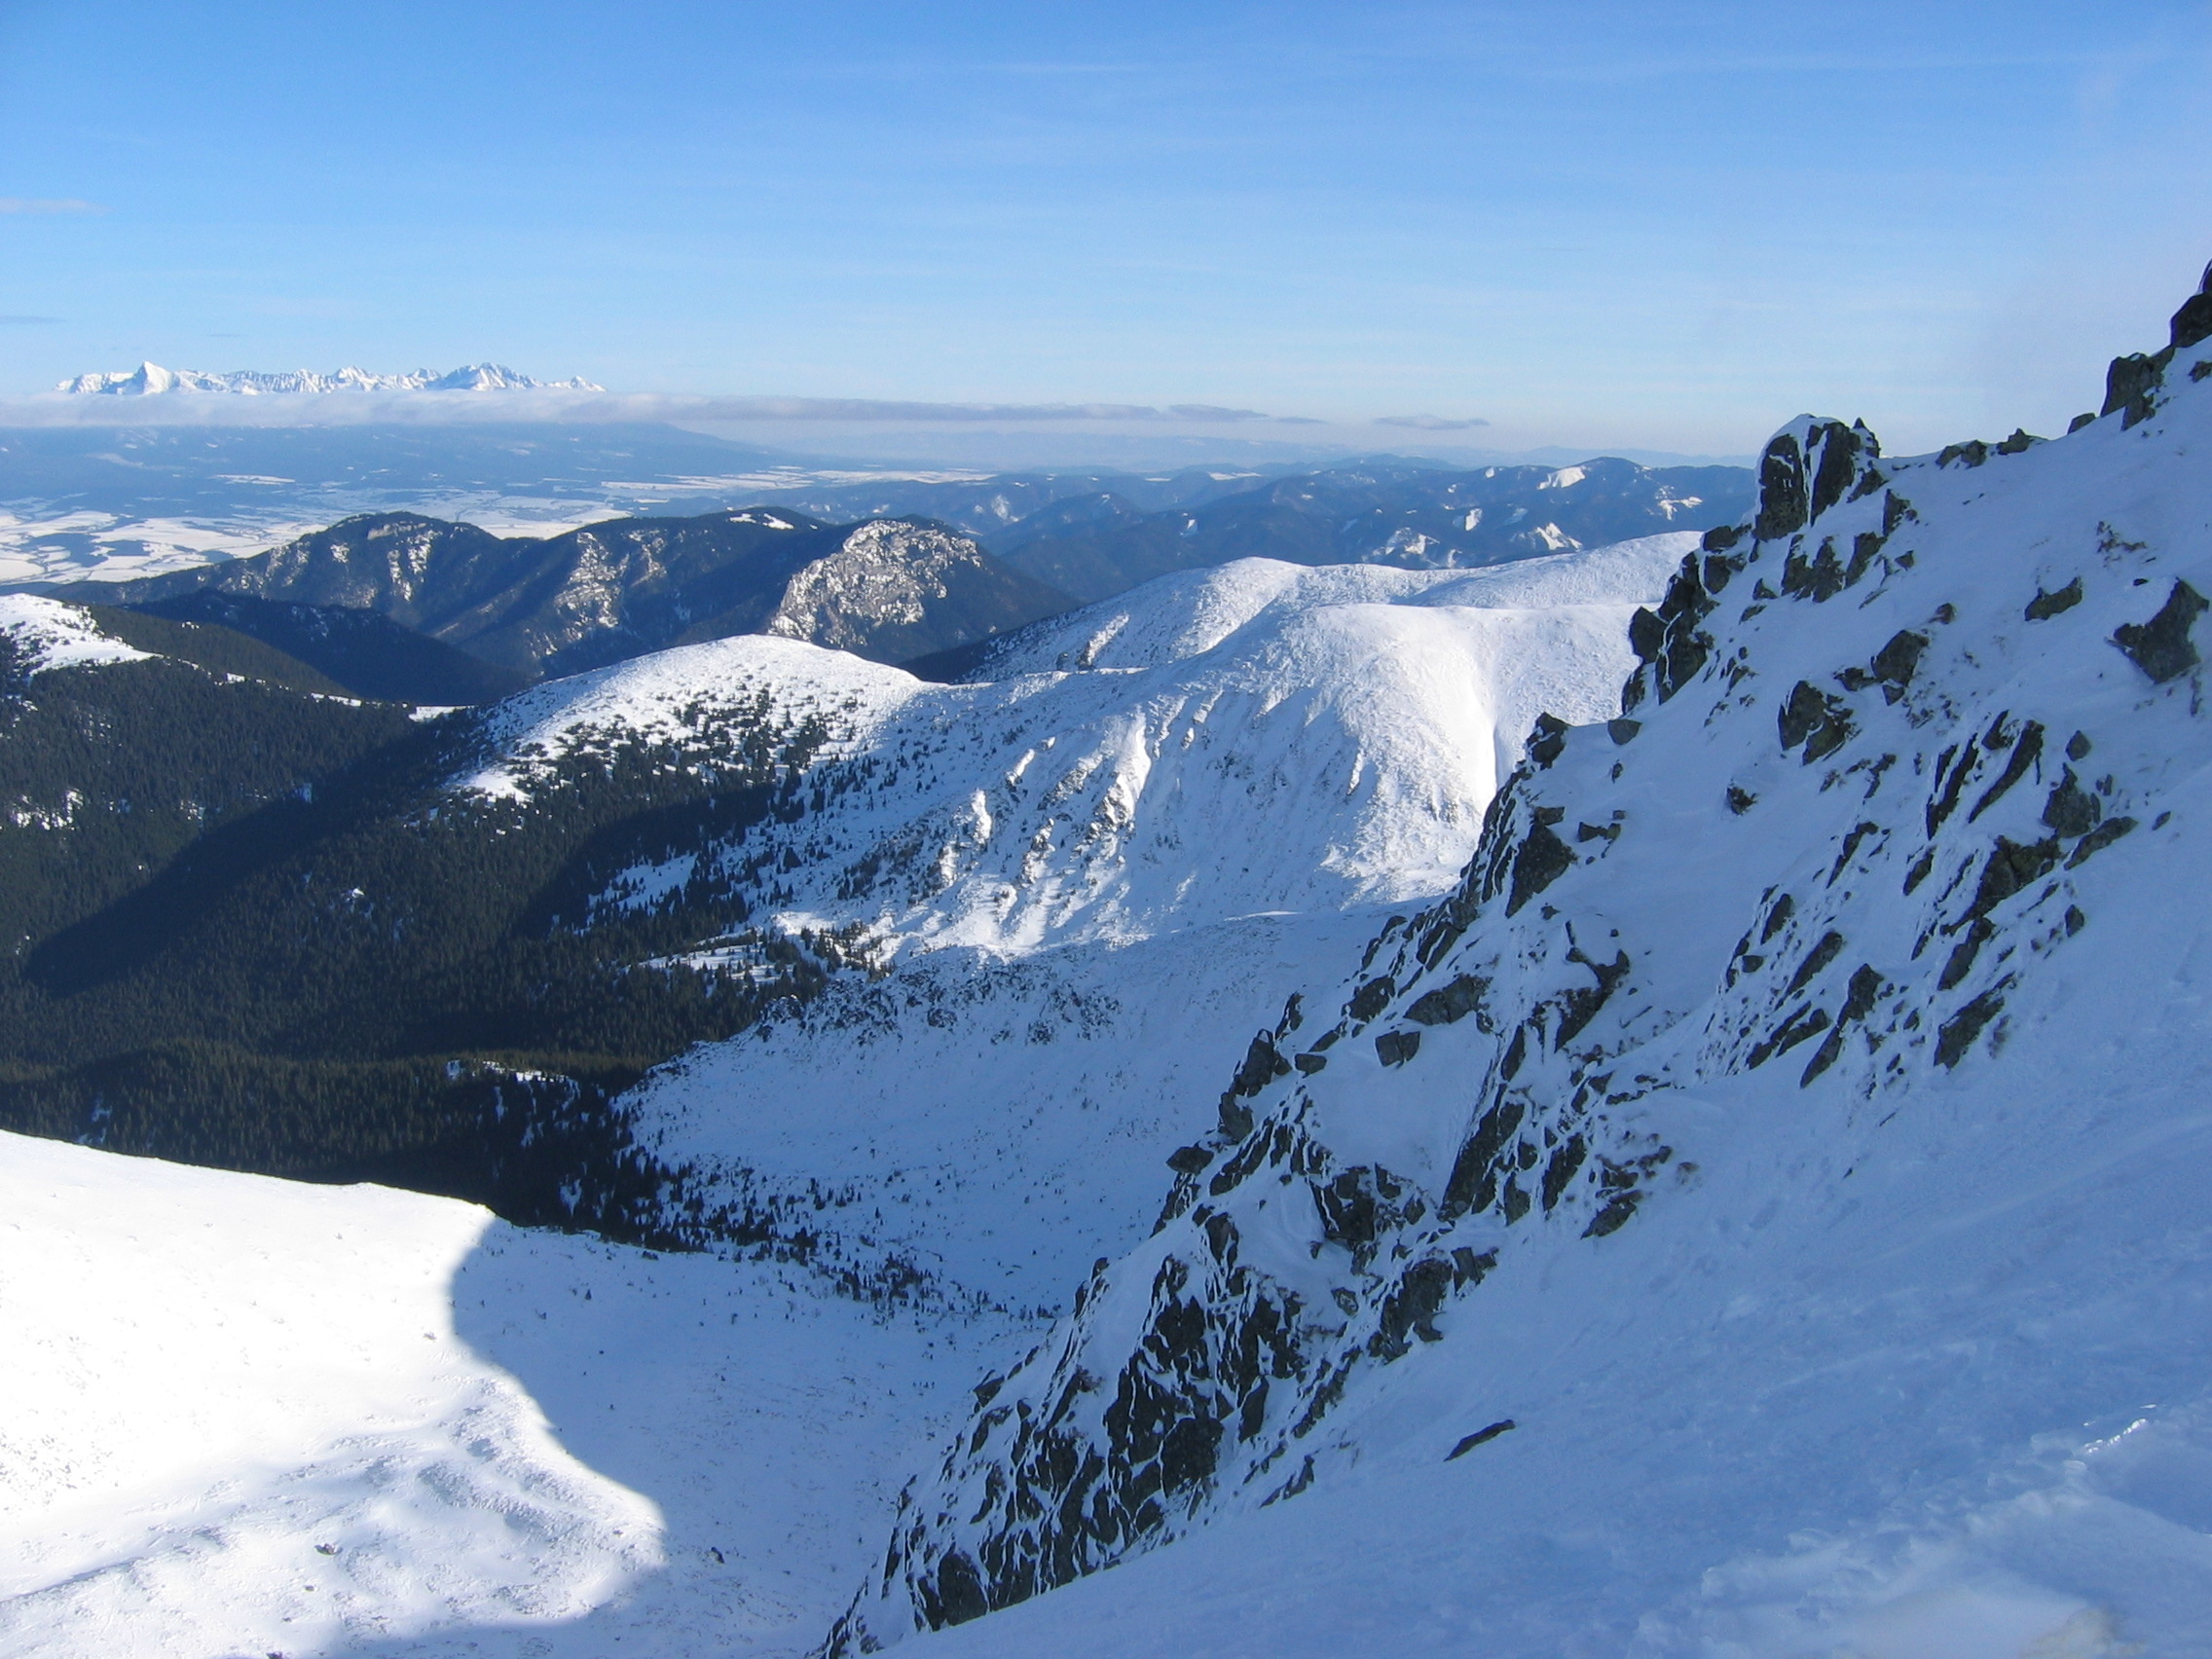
[(1661, 225)]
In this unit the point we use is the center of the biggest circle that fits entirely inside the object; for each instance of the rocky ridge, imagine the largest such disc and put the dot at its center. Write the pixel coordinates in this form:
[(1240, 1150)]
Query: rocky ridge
[(1894, 739)]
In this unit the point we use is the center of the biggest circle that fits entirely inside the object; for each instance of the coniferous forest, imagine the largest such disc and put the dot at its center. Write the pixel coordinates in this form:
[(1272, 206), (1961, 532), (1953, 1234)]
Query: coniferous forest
[(249, 925)]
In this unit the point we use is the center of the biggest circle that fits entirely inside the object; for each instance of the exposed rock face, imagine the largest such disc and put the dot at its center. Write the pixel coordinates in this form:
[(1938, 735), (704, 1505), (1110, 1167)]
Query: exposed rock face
[(1861, 919), (894, 590)]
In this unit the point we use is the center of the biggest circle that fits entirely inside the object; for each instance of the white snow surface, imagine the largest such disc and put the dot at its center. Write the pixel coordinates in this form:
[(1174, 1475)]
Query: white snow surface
[(1263, 737), (241, 1414), (49, 634)]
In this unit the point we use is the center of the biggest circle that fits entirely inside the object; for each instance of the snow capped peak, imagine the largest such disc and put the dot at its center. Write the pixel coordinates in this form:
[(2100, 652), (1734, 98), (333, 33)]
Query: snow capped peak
[(151, 379)]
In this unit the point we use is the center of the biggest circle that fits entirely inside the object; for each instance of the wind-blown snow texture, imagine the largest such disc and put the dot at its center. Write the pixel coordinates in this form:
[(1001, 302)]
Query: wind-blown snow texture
[(1769, 1170)]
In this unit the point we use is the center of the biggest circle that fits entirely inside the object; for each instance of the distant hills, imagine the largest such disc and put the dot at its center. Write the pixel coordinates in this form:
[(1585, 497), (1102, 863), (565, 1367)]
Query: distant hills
[(415, 607), (521, 607), (1400, 513)]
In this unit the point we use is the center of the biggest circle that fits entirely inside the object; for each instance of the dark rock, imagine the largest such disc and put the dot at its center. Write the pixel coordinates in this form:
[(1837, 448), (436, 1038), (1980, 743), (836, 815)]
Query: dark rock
[(1413, 1307), (1897, 662), (2078, 746), (2027, 750), (1371, 998), (2099, 838), (1646, 635), (1480, 1437), (1580, 1005), (1949, 781), (2014, 866), (2084, 419), (2161, 647), (1857, 1001), (1542, 858), (1567, 1160), (1741, 800), (960, 1593), (2192, 323), (1818, 579), (1805, 1025), (1840, 449), (1783, 500), (1613, 1215), (1974, 452), (1547, 740), (1978, 934), (1621, 730), (2045, 605), (1397, 1047), (1450, 1003), (2132, 383), (1189, 1159), (1822, 723), (2072, 810), (1956, 1035), (1830, 945)]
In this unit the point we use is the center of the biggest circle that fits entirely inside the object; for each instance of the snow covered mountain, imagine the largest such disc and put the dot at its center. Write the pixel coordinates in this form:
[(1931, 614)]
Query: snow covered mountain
[(151, 379), (912, 1165), (1769, 1170), (1721, 1177)]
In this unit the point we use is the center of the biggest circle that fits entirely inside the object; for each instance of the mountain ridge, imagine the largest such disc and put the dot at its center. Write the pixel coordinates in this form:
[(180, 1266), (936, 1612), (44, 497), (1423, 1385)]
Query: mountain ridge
[(151, 379)]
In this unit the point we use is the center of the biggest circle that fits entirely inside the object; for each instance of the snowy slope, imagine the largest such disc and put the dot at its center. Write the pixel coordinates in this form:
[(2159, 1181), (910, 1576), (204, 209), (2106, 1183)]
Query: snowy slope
[(1756, 1212), (45, 633), (1090, 883), (244, 1415)]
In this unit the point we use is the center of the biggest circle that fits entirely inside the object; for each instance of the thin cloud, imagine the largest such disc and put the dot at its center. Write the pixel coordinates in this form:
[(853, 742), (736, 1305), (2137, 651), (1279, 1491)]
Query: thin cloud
[(1429, 422), (60, 205)]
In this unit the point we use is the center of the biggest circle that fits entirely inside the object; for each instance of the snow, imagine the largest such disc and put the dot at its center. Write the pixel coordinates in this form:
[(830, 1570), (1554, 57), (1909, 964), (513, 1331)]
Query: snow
[(52, 635), (247, 1414), (1096, 882), (1904, 1355), (151, 379)]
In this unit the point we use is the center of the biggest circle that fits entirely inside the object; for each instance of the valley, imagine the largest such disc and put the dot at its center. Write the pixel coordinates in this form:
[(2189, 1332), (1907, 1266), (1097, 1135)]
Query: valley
[(1639, 1099)]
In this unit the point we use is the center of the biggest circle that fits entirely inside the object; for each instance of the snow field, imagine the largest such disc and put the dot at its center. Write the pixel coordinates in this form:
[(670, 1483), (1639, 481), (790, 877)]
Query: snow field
[(247, 1414)]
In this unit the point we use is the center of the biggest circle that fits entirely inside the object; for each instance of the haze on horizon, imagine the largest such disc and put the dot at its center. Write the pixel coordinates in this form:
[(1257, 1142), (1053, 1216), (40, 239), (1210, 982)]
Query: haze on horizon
[(1591, 224)]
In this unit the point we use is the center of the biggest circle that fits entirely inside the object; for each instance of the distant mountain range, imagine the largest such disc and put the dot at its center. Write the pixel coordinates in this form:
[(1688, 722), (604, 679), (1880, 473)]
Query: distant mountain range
[(1389, 512), (887, 589), (934, 572), (150, 379)]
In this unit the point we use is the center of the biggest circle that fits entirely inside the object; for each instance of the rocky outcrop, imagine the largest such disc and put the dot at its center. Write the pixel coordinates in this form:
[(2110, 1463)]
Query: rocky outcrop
[(1860, 918)]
